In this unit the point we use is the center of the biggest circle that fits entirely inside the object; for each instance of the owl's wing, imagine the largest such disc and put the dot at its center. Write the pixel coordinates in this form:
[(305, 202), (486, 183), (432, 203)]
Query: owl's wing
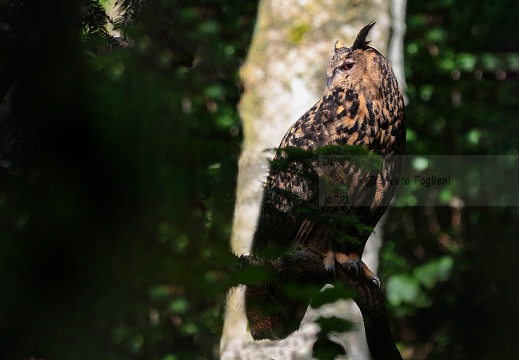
[(284, 189), (279, 218), (341, 117)]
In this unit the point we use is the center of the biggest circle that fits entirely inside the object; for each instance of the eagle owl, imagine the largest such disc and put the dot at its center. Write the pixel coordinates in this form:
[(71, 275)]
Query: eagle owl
[(362, 106)]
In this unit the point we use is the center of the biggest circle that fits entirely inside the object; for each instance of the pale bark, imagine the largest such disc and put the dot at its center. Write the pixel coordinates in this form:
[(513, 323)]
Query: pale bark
[(283, 76)]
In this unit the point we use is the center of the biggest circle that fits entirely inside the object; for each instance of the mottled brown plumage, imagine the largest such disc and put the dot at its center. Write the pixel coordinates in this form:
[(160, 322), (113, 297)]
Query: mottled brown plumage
[(362, 105)]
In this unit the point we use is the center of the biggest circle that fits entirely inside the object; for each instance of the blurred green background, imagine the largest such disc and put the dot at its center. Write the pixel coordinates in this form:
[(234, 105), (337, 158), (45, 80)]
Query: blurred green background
[(118, 174)]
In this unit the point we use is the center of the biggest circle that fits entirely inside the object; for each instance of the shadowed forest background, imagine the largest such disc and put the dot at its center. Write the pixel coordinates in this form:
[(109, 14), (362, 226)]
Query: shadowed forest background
[(118, 174)]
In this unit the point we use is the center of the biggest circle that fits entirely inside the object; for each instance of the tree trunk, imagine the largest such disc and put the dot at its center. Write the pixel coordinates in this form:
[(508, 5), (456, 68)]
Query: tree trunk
[(283, 76)]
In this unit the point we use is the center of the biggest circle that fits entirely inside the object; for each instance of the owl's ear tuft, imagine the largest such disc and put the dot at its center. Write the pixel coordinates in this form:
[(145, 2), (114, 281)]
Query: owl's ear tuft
[(338, 46), (360, 41)]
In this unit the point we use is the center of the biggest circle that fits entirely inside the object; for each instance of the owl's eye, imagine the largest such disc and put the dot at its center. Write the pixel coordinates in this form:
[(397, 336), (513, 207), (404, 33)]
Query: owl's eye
[(348, 64)]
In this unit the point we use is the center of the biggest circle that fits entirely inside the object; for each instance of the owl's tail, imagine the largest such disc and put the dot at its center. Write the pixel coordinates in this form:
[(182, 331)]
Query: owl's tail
[(271, 313)]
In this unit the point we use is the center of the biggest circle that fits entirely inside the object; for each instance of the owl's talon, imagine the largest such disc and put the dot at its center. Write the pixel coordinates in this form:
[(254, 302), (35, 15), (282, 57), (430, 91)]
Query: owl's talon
[(369, 274), (332, 268), (353, 262), (352, 265)]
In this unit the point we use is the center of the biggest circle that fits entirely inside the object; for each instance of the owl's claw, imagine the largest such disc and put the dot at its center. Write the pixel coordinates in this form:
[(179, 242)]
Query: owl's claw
[(332, 268), (370, 275), (352, 262), (353, 265), (329, 263)]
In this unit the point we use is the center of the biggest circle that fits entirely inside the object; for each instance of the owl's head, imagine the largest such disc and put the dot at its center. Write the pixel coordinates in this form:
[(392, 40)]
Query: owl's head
[(357, 66)]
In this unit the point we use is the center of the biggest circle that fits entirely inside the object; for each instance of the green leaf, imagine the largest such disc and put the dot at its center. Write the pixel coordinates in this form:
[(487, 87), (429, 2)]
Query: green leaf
[(405, 289), (299, 291), (253, 276), (434, 271), (334, 324), (331, 295), (179, 306)]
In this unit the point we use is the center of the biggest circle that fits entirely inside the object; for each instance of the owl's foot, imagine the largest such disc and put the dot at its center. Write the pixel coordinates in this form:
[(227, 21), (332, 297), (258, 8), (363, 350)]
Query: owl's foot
[(351, 262)]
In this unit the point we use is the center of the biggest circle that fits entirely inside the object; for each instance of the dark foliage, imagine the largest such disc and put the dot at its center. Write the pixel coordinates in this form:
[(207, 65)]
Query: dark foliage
[(95, 20), (119, 176), (449, 272)]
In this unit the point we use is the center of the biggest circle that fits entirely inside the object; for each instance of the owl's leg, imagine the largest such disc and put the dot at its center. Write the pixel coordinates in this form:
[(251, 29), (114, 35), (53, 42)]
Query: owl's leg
[(353, 261)]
